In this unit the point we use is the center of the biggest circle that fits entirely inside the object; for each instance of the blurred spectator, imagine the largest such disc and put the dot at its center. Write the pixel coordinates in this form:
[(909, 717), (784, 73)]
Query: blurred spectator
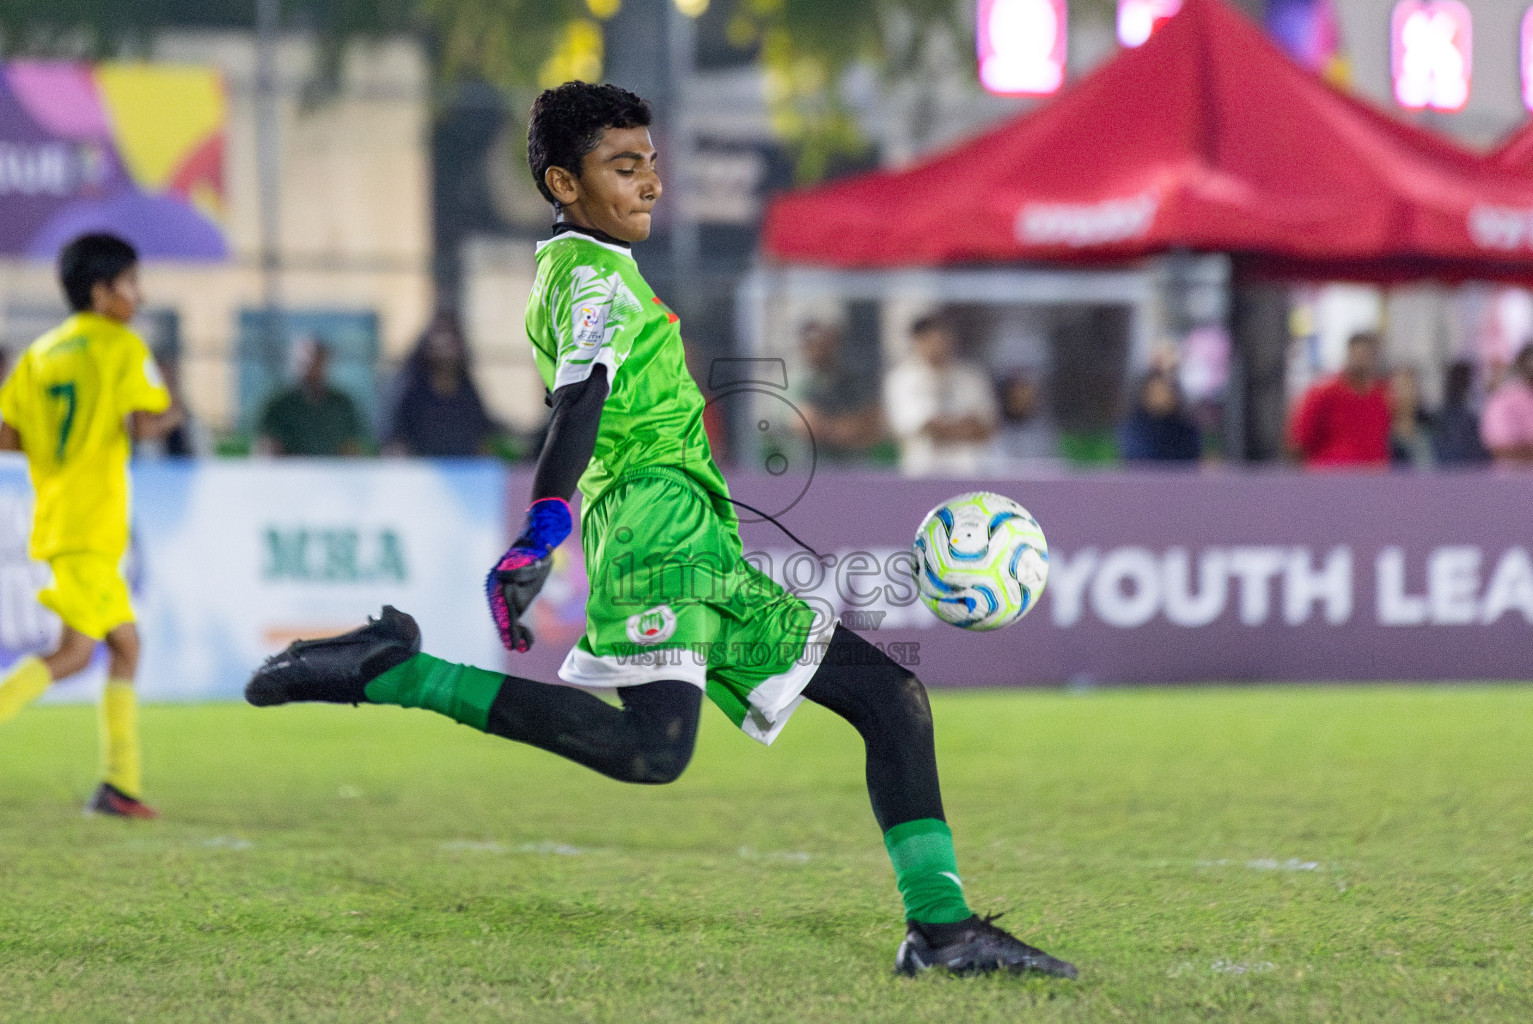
[(1159, 429), (1344, 420), (941, 408), (1507, 426), (1456, 431), (311, 417), (191, 439), (842, 415), (1410, 425), (436, 409), (1026, 435)]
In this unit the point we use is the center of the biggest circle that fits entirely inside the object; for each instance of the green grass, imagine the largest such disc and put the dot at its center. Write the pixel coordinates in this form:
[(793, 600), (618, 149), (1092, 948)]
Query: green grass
[(1261, 855)]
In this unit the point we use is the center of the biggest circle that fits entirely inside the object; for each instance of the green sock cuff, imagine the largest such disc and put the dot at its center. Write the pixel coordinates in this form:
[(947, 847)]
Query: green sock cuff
[(920, 827), (926, 871), (461, 692)]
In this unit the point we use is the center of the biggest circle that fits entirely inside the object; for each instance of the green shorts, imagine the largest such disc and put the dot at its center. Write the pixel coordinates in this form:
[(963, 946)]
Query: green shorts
[(673, 597)]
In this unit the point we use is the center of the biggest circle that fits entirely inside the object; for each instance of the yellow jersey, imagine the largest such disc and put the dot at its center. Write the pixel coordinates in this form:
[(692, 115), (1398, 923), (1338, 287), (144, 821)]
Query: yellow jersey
[(69, 398)]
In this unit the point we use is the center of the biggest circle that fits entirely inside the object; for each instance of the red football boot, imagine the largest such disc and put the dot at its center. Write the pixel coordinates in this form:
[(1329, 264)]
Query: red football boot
[(112, 801)]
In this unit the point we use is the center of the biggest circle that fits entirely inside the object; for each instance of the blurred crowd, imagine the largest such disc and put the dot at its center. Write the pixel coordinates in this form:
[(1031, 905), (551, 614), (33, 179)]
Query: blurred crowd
[(1363, 416), (432, 407), (946, 414), (936, 412)]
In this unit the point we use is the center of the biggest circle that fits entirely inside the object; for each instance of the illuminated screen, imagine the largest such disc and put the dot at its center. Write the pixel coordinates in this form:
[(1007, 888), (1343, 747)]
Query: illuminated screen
[(1021, 46), (1527, 59), (1138, 19), (1432, 46)]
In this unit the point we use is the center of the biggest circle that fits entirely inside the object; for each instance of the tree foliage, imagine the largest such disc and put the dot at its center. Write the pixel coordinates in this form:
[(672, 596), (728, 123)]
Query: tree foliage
[(503, 41), (517, 43), (115, 27), (806, 47)]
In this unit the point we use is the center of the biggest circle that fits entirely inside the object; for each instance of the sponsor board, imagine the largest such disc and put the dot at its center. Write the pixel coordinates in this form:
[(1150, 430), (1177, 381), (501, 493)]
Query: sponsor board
[(26, 627), (233, 560), (1153, 577), (132, 148), (1165, 577), (1184, 577)]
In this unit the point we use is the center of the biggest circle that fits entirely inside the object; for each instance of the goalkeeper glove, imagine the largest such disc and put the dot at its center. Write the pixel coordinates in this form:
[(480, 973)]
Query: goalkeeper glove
[(521, 571)]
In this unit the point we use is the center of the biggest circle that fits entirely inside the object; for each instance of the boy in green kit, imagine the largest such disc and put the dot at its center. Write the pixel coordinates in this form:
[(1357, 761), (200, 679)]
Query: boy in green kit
[(663, 553)]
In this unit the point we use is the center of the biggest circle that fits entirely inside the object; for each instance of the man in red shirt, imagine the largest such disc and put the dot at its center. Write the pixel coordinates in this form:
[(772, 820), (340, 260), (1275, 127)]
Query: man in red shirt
[(1344, 420)]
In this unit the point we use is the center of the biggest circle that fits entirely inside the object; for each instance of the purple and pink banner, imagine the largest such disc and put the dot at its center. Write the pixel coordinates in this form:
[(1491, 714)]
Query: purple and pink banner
[(1167, 578), (135, 149), (1154, 578)]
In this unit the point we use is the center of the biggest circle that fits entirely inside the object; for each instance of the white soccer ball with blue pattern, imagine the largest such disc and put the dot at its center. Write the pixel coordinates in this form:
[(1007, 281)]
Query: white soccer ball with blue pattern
[(981, 561)]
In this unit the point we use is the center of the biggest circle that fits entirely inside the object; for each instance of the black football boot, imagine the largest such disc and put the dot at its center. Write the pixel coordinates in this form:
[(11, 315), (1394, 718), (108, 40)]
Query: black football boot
[(339, 668), (974, 946)]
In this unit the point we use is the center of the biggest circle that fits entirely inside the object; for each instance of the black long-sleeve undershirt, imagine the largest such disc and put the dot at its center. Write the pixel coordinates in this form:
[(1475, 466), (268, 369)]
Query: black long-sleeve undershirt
[(571, 439)]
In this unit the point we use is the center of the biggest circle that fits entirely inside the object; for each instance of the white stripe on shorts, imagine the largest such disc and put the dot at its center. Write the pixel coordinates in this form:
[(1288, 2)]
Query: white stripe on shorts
[(609, 672), (773, 702)]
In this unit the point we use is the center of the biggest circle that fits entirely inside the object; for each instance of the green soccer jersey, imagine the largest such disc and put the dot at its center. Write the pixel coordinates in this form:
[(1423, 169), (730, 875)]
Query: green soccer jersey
[(589, 306)]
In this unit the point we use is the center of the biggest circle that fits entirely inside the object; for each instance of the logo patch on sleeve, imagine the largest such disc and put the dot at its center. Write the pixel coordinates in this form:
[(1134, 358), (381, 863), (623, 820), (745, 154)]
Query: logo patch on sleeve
[(590, 325), (654, 626)]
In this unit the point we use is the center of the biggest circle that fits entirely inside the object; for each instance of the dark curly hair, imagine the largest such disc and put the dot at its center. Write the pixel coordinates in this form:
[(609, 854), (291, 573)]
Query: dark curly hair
[(91, 260), (566, 123)]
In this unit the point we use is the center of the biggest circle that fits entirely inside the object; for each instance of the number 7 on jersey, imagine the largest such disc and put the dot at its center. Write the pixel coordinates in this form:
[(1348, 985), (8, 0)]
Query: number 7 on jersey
[(66, 392)]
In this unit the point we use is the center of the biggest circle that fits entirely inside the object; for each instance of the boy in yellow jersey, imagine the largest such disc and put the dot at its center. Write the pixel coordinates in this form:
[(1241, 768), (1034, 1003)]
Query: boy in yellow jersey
[(77, 399)]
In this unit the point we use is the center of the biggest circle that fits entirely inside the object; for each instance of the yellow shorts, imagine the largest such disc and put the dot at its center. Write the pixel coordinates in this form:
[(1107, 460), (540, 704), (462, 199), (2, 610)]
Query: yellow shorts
[(89, 594)]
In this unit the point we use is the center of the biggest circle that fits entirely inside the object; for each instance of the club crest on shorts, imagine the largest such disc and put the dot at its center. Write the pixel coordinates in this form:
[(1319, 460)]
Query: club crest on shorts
[(654, 626)]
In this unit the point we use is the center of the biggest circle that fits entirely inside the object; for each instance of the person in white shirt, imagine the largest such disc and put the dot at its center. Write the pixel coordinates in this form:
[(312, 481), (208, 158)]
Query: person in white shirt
[(941, 408)]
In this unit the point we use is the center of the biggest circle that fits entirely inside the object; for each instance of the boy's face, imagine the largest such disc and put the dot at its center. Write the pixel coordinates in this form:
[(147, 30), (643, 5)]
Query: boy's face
[(617, 187), (935, 346), (1159, 396), (1362, 358), (119, 298), (821, 345)]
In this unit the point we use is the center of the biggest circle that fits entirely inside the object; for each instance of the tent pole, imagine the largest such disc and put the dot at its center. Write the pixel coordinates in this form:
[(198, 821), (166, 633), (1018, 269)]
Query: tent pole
[(1256, 409)]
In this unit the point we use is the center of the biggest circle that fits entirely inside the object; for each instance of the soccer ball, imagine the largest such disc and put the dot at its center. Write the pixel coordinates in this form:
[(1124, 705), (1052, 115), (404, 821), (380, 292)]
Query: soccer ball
[(981, 561)]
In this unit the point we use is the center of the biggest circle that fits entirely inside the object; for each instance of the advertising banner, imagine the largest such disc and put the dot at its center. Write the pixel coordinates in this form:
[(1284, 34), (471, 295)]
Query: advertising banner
[(240, 558), (1154, 578), (233, 560), (26, 627), (1168, 577), (135, 149)]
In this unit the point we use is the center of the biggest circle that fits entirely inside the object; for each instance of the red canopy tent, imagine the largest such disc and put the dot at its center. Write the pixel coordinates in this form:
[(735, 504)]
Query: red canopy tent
[(1516, 153), (1207, 138)]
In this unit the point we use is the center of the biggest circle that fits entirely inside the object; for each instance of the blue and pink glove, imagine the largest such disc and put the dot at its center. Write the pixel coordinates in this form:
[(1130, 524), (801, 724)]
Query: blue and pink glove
[(521, 571)]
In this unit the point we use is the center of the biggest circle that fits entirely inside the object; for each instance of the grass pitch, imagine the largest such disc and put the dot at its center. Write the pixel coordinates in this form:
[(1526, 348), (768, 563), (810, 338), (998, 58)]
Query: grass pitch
[(1259, 855)]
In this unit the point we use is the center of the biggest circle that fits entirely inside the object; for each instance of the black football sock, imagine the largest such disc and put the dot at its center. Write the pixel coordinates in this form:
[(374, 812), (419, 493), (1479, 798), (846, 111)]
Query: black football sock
[(648, 740), (887, 705)]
